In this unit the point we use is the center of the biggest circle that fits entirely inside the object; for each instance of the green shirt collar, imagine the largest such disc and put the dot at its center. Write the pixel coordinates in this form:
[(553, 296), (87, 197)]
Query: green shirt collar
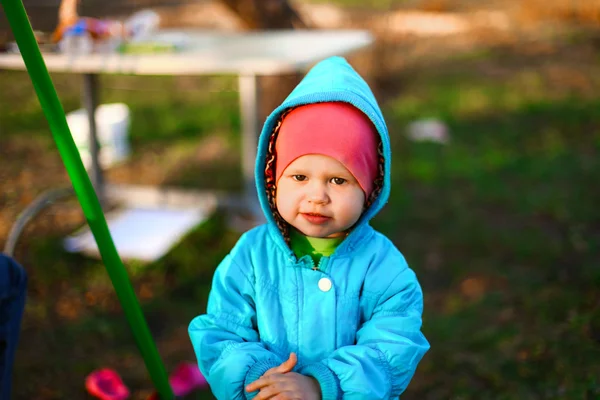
[(314, 247)]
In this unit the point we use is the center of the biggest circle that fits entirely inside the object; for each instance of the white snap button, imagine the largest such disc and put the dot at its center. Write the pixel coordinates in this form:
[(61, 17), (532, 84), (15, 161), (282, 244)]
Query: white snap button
[(325, 284)]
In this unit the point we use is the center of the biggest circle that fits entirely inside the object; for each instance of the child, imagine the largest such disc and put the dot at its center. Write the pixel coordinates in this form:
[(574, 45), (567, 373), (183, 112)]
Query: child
[(315, 304)]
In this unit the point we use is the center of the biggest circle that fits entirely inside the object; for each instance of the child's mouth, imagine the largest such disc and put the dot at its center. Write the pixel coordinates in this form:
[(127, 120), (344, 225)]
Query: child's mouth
[(314, 218)]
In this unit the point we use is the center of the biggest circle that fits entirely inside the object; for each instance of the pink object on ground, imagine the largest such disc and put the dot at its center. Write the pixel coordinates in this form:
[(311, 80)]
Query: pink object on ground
[(106, 384), (185, 379)]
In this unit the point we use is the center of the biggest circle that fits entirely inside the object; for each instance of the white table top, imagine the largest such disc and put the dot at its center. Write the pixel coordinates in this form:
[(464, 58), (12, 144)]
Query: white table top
[(209, 52)]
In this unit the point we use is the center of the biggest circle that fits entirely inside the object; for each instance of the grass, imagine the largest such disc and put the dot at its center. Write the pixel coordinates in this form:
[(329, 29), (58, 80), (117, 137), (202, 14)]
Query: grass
[(502, 229), (197, 106), (501, 226)]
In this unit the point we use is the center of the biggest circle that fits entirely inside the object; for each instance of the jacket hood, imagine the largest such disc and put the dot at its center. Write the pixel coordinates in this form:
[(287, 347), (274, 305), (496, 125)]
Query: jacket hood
[(332, 79)]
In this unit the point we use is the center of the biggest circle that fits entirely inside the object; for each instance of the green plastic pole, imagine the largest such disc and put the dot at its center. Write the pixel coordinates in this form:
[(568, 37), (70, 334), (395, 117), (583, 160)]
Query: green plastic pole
[(42, 83)]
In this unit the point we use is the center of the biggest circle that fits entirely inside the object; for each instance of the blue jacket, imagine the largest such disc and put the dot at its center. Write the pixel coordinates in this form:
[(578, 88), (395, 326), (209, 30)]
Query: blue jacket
[(362, 338)]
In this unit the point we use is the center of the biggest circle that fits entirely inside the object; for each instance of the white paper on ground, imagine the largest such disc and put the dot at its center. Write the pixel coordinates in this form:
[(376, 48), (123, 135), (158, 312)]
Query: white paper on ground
[(140, 233)]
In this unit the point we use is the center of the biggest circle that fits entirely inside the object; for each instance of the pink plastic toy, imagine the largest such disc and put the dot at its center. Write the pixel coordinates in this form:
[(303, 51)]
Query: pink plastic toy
[(185, 379), (106, 384)]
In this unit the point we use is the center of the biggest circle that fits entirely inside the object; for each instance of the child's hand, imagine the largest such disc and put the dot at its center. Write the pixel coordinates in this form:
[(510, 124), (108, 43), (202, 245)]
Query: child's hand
[(284, 367), (282, 384), (287, 386)]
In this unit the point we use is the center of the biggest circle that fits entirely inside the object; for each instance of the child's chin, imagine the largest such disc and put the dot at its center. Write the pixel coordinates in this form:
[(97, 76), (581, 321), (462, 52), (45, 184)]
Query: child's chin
[(311, 231), (317, 233)]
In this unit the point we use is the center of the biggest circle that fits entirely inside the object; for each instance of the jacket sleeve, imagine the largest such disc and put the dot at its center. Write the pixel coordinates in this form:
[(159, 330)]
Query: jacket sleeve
[(388, 348), (225, 339)]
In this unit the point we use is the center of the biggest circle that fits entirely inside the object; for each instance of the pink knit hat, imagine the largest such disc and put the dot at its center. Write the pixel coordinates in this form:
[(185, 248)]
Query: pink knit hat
[(338, 130)]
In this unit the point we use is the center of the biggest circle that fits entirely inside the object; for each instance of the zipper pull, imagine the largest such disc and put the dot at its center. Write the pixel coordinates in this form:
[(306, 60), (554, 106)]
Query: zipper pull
[(322, 263)]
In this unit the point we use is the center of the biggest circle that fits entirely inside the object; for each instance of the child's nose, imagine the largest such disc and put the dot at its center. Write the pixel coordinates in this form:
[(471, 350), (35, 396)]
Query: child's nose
[(317, 194)]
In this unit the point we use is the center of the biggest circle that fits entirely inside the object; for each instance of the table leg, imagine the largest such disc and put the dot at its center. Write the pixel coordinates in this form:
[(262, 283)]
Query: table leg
[(249, 107), (90, 102)]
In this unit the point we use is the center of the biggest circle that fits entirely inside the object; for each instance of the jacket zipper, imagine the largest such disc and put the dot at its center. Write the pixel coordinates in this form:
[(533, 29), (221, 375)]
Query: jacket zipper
[(318, 266)]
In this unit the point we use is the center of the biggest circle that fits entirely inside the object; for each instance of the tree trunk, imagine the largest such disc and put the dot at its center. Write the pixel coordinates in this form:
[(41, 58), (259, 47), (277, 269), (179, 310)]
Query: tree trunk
[(266, 14), (269, 15)]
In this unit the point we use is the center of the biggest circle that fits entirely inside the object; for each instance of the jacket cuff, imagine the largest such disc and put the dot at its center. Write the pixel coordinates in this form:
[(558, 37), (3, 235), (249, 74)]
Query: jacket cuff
[(255, 372), (329, 382)]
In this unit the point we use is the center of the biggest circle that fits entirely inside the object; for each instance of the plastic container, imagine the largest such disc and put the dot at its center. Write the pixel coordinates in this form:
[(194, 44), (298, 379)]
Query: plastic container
[(142, 24), (76, 40), (112, 130)]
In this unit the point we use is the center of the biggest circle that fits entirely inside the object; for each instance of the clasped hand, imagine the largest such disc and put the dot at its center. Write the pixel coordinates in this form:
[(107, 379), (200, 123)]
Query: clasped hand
[(280, 383)]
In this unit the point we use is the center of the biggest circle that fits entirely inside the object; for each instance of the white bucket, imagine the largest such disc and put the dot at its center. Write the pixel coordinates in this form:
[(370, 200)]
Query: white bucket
[(112, 130)]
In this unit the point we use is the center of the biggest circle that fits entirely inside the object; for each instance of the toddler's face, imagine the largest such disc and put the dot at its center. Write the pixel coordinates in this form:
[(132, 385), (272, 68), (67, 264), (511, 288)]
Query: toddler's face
[(318, 196)]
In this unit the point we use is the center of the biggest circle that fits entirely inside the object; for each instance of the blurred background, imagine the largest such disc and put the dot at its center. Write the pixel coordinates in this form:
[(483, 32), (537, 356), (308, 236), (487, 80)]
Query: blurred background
[(493, 109)]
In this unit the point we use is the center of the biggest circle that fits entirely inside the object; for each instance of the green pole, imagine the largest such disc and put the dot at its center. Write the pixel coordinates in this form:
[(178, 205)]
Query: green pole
[(42, 83)]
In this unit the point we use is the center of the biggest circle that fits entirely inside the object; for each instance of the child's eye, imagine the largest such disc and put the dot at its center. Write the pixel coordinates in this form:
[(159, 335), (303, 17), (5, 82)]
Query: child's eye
[(299, 178), (338, 181)]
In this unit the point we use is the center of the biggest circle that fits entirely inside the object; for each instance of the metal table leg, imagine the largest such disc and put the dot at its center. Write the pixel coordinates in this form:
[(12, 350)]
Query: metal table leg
[(249, 106), (90, 102)]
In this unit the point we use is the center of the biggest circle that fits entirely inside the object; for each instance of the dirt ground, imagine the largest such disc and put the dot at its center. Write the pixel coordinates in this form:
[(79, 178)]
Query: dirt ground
[(412, 37)]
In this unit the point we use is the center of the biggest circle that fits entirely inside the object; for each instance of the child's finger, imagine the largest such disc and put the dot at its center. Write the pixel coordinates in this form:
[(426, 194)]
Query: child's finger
[(268, 392), (272, 371), (259, 383), (289, 364), (285, 367)]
